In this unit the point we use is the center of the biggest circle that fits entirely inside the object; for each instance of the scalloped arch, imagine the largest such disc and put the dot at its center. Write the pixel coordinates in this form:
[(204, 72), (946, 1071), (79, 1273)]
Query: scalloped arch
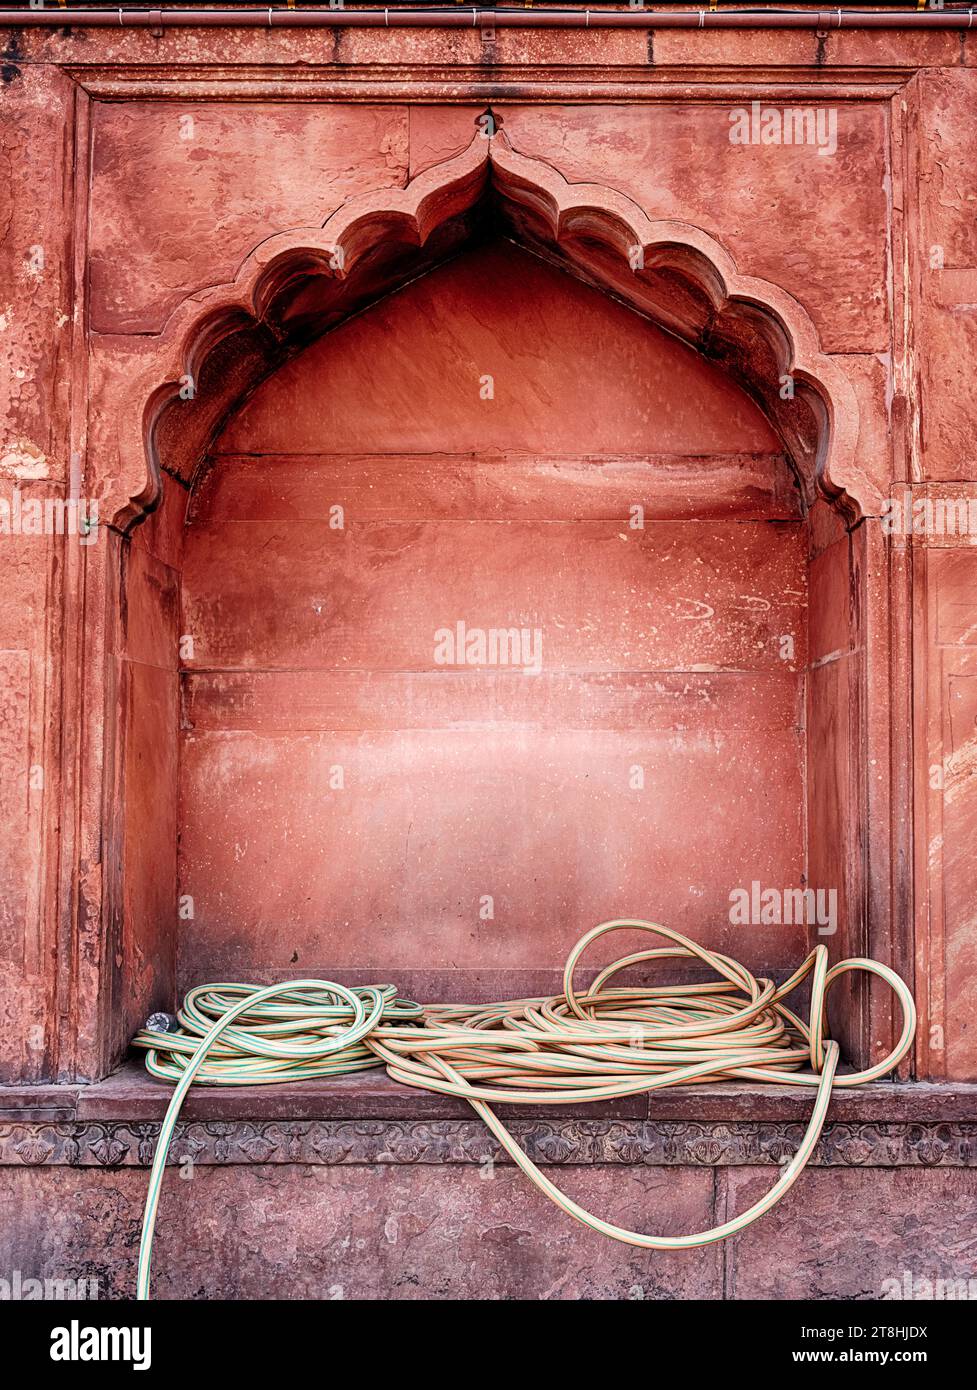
[(296, 284)]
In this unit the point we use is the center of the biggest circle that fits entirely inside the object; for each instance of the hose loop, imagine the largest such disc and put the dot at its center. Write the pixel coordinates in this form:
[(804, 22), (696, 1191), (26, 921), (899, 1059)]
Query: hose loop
[(610, 1040), (817, 1014)]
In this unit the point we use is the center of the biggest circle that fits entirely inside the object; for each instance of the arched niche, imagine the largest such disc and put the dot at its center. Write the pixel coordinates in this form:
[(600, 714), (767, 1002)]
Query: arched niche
[(693, 727)]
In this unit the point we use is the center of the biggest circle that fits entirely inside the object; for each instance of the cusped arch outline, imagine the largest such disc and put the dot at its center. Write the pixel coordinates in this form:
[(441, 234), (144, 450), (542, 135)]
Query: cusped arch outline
[(296, 284)]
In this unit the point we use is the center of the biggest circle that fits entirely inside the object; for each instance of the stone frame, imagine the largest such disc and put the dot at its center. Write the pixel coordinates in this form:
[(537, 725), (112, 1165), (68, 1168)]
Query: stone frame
[(131, 388)]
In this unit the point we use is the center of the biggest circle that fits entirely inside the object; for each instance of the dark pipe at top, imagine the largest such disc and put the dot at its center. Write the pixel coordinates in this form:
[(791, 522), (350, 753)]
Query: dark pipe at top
[(379, 18)]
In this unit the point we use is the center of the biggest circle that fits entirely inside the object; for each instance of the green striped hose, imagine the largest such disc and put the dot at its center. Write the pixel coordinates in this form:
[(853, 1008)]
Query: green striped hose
[(611, 1041)]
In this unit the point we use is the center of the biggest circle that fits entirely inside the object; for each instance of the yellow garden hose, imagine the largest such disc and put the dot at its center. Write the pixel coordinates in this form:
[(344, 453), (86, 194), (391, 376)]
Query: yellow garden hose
[(610, 1041)]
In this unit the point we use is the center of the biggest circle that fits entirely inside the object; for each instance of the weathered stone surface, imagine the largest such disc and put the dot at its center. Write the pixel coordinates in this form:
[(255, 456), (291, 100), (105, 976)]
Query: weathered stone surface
[(679, 162), (370, 1232), (36, 327), (232, 176), (851, 1234), (651, 641), (934, 1118), (881, 448), (449, 1232), (699, 49), (947, 269), (14, 796), (122, 227), (487, 353), (438, 133), (36, 132), (948, 809)]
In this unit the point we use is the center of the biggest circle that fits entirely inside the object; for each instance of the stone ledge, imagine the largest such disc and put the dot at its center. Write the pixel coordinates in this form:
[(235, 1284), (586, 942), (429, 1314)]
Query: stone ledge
[(367, 1118), (130, 1094)]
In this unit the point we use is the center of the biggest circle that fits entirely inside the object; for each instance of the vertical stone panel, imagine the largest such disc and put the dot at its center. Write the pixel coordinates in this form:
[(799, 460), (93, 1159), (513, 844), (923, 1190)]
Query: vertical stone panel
[(946, 659), (946, 330), (36, 134), (852, 1233)]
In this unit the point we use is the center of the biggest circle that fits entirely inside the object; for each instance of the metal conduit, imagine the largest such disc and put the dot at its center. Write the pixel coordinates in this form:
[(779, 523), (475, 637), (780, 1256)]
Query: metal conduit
[(465, 17)]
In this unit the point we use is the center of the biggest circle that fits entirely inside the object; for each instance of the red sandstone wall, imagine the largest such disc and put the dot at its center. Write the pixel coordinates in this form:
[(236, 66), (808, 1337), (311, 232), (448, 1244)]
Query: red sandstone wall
[(881, 258), (133, 211), (449, 1232), (564, 796)]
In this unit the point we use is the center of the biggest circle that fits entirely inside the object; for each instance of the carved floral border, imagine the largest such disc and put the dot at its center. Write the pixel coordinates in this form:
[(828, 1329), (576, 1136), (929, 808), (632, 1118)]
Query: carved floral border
[(130, 1144)]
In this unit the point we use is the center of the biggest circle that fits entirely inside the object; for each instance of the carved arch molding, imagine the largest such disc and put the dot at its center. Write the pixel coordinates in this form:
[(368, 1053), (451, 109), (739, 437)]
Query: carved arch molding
[(294, 286)]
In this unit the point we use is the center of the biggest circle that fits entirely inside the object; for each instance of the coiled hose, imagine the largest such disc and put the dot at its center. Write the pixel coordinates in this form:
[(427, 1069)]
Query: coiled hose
[(610, 1041)]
